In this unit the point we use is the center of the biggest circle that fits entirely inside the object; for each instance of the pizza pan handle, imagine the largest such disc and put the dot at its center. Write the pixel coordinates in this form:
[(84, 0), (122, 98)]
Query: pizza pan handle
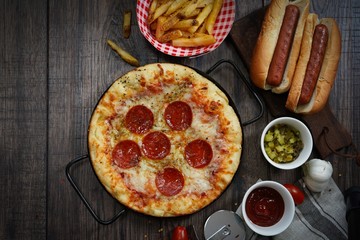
[(248, 85), (81, 195)]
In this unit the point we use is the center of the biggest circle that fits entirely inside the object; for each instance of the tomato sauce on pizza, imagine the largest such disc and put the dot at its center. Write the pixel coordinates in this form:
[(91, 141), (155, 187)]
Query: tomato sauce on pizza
[(164, 141)]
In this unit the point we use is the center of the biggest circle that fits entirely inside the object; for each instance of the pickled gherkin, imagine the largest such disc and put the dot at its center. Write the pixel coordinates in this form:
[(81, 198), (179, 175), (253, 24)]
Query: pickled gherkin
[(283, 143)]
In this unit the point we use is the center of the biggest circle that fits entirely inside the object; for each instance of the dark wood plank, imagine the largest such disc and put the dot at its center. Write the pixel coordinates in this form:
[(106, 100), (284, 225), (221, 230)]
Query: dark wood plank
[(23, 119), (81, 68)]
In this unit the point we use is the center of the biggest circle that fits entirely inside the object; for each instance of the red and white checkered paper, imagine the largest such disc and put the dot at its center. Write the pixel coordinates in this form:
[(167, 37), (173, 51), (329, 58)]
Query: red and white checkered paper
[(222, 28)]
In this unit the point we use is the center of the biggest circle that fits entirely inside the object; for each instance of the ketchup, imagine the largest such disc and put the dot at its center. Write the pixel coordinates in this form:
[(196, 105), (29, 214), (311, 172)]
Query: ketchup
[(264, 206)]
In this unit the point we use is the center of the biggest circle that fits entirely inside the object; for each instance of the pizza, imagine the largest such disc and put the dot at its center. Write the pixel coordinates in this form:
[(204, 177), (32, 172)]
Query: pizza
[(164, 141)]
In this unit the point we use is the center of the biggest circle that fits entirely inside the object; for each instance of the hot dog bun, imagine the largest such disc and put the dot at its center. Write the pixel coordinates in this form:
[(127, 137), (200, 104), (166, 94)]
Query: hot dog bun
[(267, 40), (328, 69)]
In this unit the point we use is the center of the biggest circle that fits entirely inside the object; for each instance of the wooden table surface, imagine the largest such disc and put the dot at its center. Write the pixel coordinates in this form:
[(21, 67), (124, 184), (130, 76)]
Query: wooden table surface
[(54, 66)]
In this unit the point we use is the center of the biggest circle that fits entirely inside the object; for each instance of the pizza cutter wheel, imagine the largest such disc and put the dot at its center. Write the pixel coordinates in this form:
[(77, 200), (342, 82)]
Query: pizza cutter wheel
[(224, 224)]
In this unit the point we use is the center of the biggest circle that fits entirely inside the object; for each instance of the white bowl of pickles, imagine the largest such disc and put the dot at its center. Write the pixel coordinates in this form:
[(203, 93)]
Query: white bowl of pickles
[(286, 143)]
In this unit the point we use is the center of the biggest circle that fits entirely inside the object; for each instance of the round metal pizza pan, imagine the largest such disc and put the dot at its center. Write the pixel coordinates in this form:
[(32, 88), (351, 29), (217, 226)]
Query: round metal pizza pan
[(231, 103)]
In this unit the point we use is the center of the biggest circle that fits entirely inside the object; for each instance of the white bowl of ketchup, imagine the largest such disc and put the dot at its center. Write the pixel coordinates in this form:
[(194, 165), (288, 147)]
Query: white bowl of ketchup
[(268, 208)]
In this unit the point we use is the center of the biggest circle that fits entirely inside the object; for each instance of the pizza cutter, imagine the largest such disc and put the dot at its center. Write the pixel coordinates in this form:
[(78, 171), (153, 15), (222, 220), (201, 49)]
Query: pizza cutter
[(226, 225)]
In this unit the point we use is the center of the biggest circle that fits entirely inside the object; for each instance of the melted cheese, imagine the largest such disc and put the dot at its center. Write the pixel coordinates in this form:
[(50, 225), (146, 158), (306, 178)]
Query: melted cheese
[(204, 126)]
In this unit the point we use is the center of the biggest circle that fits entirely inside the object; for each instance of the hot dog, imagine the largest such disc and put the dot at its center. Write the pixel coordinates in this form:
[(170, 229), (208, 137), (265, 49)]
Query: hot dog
[(278, 45), (317, 66)]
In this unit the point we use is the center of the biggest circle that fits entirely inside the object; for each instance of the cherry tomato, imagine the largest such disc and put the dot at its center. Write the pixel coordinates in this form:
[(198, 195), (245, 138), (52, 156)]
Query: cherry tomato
[(180, 233), (295, 192)]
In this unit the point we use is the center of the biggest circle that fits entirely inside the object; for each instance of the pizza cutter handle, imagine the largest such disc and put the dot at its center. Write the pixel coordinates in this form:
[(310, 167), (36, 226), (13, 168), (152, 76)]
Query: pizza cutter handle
[(81, 195), (248, 85)]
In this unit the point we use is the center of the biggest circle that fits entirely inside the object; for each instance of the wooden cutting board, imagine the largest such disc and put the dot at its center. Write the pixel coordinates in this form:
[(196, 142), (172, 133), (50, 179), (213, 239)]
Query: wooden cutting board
[(325, 128)]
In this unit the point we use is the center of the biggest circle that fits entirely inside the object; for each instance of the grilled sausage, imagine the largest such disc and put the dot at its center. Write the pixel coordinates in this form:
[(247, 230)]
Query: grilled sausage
[(318, 48), (283, 45)]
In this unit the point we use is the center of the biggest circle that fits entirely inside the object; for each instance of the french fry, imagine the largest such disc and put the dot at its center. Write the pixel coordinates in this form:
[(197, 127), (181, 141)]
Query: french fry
[(152, 9), (171, 35), (196, 41), (203, 3), (213, 15), (194, 13), (201, 17), (127, 24), (170, 21), (175, 6), (153, 26), (186, 34), (159, 32), (189, 9), (127, 57), (201, 29), (200, 34), (185, 24), (161, 10)]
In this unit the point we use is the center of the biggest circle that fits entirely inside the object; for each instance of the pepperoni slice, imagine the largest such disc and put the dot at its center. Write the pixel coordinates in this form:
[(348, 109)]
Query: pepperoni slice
[(198, 153), (169, 182), (139, 119), (126, 154), (178, 115), (156, 145)]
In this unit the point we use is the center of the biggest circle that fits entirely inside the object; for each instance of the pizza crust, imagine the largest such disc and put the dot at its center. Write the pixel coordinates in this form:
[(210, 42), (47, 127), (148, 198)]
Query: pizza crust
[(154, 86)]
